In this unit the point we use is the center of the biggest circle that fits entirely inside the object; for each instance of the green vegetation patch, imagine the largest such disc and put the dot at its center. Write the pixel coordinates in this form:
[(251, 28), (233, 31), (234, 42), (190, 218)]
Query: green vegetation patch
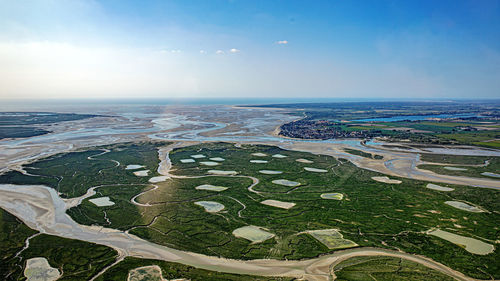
[(332, 238), (385, 269)]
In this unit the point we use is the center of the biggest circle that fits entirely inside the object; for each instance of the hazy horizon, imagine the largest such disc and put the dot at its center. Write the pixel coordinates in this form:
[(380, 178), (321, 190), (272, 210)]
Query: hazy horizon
[(89, 49)]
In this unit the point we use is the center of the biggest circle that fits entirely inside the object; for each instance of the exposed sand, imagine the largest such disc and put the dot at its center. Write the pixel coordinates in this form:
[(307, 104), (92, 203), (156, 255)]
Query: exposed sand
[(39, 269), (286, 182), (438, 187), (211, 187), (335, 196), (209, 163), (279, 156), (210, 206), (258, 161), (385, 179), (270, 172), (102, 201), (158, 179), (464, 206), (454, 168), (134, 167), (302, 160), (472, 245), (222, 172), (259, 154), (198, 156), (218, 159), (143, 173), (252, 233), (331, 238), (187, 161), (278, 204), (309, 169)]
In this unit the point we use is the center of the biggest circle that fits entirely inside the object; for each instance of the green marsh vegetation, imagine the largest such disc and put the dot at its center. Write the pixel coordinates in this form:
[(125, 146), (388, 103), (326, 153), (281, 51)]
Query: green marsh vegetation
[(465, 162), (370, 214), (363, 154), (76, 260)]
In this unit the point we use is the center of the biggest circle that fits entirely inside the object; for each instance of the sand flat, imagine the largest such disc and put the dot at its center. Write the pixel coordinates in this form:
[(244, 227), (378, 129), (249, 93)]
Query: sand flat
[(334, 196), (471, 245), (39, 269), (102, 201), (211, 187), (253, 233), (315, 170), (386, 179), (187, 161), (464, 206), (286, 182), (305, 161), (278, 204), (270, 172), (134, 167), (143, 173), (438, 187), (210, 206)]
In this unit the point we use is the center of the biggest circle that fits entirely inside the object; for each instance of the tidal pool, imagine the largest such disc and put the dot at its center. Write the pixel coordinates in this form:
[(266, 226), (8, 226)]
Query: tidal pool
[(197, 156), (279, 156), (143, 173), (211, 187), (210, 206), (221, 172), (158, 179), (332, 238), (270, 172), (259, 154), (488, 174), (464, 206), (438, 187), (286, 182), (305, 161), (471, 245), (278, 204), (102, 201), (39, 269), (309, 169), (133, 167), (209, 163), (252, 233), (386, 180), (187, 161), (455, 169), (335, 196), (218, 159), (258, 161)]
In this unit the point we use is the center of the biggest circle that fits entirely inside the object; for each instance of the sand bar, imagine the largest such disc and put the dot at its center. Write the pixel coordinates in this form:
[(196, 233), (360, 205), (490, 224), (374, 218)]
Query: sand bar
[(218, 159), (143, 173), (209, 163), (259, 154), (385, 179), (270, 172), (305, 161), (134, 167), (438, 187), (315, 170), (279, 156), (197, 156), (187, 161)]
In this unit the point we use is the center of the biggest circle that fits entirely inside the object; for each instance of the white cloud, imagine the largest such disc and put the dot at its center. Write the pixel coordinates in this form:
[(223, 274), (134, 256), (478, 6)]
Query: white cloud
[(234, 51), (282, 42), (219, 52), (175, 51), (203, 52)]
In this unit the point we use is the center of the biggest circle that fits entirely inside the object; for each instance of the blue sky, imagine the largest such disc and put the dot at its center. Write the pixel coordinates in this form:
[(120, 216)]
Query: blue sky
[(204, 49)]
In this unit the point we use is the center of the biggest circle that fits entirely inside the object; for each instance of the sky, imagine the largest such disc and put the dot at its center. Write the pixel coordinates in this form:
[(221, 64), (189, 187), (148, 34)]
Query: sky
[(64, 49)]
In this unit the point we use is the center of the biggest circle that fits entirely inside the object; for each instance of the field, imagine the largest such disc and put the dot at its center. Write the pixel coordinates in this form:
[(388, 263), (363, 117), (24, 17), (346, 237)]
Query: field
[(371, 213)]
